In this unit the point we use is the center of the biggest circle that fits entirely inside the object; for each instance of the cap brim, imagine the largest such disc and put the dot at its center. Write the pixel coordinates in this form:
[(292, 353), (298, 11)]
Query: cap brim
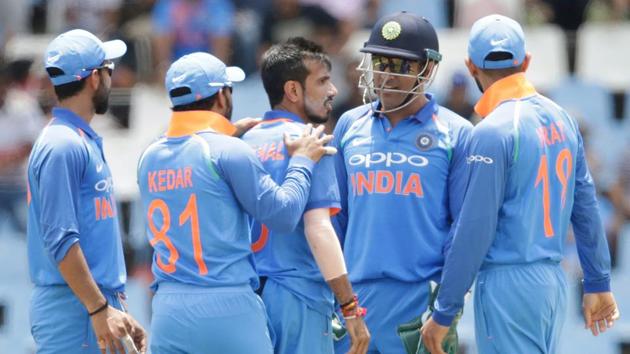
[(391, 52), (235, 74), (114, 49)]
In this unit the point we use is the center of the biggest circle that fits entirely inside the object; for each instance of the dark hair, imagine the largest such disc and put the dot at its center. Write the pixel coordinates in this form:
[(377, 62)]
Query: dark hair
[(499, 56), (66, 90), (286, 62), (204, 104)]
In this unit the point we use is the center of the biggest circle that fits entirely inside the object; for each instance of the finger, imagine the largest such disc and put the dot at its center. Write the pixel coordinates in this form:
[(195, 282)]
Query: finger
[(594, 329), (588, 321), (317, 132), (325, 139), (307, 129), (286, 139), (117, 345), (329, 150), (602, 326), (102, 346)]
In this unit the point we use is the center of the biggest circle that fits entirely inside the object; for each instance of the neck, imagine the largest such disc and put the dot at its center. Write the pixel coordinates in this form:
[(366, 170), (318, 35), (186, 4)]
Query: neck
[(80, 106), (398, 115), (289, 107)]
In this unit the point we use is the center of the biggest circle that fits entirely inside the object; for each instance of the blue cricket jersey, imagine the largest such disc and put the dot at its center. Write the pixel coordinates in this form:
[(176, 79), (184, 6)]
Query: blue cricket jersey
[(70, 200), (197, 188), (528, 179), (286, 256), (401, 188)]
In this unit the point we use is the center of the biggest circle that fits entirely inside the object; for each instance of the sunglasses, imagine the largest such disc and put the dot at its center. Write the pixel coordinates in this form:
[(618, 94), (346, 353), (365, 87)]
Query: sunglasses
[(109, 66), (395, 65)]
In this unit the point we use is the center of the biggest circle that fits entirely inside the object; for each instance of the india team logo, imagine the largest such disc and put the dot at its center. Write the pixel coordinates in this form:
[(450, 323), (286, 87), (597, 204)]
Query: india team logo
[(424, 141), (391, 30)]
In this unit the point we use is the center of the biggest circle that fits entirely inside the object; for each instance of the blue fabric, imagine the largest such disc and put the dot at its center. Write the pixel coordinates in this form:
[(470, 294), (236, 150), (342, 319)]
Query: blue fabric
[(193, 319), (193, 23), (529, 320), (286, 256), (503, 216), (389, 304), (224, 180), (297, 327), (61, 324), (401, 188), (72, 201)]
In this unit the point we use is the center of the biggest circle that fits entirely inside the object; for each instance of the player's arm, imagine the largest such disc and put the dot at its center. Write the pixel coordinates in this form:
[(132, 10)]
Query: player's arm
[(58, 185), (278, 207), (476, 226), (340, 220), (457, 179), (599, 305), (326, 249)]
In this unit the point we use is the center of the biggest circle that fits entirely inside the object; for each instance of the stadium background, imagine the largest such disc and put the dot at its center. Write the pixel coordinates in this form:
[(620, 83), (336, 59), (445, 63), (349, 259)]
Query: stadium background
[(580, 59)]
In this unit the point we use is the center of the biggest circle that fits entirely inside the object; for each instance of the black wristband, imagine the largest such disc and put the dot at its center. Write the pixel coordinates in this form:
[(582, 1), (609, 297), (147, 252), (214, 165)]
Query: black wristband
[(100, 308)]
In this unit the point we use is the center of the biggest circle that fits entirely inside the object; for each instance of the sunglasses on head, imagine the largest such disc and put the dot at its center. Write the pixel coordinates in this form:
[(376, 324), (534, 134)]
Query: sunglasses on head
[(395, 65), (109, 65)]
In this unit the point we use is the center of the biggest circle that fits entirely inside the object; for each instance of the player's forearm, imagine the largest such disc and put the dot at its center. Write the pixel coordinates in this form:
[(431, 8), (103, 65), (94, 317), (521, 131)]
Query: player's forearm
[(76, 273), (327, 252)]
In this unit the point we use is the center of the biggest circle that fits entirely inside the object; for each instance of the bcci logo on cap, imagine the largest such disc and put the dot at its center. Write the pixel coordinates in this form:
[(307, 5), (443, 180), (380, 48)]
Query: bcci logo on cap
[(424, 141), (391, 30)]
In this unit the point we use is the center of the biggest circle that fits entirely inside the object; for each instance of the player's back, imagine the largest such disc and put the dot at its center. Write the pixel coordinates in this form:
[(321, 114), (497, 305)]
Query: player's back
[(543, 143), (286, 256), (198, 230)]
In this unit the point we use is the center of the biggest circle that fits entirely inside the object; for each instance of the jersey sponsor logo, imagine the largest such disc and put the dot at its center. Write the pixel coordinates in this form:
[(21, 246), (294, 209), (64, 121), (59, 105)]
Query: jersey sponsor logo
[(478, 158), (387, 159), (424, 141), (361, 141), (104, 185)]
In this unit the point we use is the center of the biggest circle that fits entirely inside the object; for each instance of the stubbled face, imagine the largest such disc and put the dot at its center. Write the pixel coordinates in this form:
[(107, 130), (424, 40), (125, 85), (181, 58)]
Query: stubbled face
[(405, 82), (319, 92), (101, 96)]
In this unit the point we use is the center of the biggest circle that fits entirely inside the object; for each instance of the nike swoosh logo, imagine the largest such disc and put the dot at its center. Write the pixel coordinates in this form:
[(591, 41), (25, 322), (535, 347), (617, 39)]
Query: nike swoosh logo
[(53, 59), (497, 42), (99, 167), (179, 79), (361, 141)]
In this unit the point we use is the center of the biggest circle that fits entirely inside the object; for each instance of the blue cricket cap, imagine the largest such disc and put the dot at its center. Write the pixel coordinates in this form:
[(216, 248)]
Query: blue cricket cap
[(77, 52), (202, 74), (496, 33)]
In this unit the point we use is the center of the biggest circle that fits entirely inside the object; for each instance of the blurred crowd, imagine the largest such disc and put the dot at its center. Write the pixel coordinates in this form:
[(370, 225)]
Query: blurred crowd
[(238, 32)]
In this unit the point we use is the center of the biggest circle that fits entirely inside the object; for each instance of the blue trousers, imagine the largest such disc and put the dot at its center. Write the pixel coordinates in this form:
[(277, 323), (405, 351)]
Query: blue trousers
[(61, 324), (520, 309), (195, 320), (389, 304), (297, 328)]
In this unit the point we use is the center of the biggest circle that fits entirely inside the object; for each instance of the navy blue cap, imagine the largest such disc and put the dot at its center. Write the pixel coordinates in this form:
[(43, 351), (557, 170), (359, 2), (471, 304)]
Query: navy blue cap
[(403, 35)]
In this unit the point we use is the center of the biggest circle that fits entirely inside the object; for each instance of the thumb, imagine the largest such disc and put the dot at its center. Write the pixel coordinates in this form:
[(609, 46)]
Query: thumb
[(285, 138)]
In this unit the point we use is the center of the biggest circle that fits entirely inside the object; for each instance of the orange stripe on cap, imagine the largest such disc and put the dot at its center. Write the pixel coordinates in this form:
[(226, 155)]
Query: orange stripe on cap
[(190, 122), (510, 87)]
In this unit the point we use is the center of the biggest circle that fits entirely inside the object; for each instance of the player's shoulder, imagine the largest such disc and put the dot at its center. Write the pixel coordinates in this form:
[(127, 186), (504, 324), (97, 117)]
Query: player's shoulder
[(453, 119), (350, 117), (61, 138)]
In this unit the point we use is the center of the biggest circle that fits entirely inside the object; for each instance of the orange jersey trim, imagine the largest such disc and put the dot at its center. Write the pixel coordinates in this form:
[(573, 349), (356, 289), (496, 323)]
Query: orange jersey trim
[(509, 88), (190, 122)]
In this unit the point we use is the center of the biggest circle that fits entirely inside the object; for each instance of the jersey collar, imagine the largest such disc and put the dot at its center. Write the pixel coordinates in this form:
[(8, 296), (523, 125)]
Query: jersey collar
[(68, 116), (190, 122), (510, 87), (278, 114)]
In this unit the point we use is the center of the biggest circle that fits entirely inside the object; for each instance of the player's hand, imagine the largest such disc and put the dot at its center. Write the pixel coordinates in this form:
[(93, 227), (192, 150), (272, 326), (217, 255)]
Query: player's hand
[(359, 335), (433, 335), (109, 326), (244, 125), (311, 144), (138, 334), (600, 311)]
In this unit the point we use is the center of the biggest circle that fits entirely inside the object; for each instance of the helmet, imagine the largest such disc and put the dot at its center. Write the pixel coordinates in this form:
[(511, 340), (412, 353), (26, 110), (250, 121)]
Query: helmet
[(405, 36)]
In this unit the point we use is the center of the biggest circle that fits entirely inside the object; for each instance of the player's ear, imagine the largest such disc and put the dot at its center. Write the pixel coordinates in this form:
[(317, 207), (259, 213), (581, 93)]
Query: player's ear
[(292, 91), (94, 80), (472, 68), (526, 61)]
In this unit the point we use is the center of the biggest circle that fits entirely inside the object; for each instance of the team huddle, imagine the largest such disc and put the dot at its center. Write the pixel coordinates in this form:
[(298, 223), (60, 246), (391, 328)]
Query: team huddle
[(270, 236)]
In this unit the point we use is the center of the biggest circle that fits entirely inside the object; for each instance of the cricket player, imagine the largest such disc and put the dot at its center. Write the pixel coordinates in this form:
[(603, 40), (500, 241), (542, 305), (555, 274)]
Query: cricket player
[(528, 179), (298, 264), (74, 246), (401, 168), (198, 184)]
